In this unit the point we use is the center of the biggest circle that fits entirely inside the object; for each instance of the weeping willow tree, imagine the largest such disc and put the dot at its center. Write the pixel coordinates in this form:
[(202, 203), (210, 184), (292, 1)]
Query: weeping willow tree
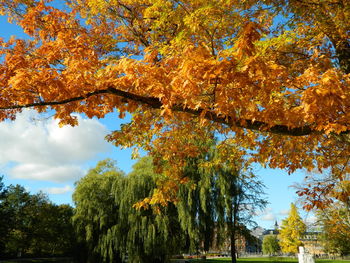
[(110, 226), (238, 195), (196, 205), (152, 235), (219, 200), (96, 212)]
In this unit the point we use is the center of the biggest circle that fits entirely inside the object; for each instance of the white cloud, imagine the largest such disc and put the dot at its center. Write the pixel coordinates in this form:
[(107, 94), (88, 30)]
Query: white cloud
[(58, 190), (284, 212), (268, 215), (42, 172), (41, 150)]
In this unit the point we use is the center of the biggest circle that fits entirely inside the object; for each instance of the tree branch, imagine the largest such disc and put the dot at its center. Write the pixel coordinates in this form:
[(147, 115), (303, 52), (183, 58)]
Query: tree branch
[(156, 103)]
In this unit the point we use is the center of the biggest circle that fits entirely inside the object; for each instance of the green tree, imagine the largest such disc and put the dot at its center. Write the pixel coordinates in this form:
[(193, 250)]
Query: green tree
[(105, 217), (335, 225), (270, 245), (53, 232), (220, 197), (153, 234), (34, 225), (196, 205), (4, 217), (96, 212), (19, 206), (239, 195), (292, 229)]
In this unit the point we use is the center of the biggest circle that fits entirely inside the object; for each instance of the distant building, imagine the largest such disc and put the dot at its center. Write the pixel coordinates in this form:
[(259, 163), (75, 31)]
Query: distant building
[(310, 239), (251, 241), (246, 242), (273, 231), (312, 243)]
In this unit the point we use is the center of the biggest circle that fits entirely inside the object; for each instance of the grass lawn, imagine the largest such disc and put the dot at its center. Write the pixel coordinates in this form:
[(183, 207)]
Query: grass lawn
[(267, 260), (39, 260)]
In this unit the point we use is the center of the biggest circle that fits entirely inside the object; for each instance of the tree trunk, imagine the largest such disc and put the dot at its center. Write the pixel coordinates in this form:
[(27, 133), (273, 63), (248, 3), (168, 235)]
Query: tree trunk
[(232, 233), (233, 244)]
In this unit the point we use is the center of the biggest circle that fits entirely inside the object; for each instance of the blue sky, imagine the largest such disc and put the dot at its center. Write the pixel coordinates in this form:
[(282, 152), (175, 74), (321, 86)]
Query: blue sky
[(39, 155)]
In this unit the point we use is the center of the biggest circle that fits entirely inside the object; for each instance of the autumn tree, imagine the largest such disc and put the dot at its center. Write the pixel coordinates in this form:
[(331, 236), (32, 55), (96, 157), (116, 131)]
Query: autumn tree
[(270, 245), (335, 225), (329, 200), (291, 231), (275, 74)]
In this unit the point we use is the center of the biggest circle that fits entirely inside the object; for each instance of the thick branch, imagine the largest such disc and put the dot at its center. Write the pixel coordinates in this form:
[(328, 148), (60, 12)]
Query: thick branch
[(156, 103)]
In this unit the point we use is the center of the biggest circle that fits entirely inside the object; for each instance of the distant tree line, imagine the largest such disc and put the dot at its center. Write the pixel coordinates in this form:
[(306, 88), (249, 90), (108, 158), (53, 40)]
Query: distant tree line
[(32, 226)]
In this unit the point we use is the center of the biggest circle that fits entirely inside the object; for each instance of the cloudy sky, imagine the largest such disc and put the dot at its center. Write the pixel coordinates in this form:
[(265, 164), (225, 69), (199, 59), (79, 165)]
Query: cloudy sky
[(37, 154), (38, 149)]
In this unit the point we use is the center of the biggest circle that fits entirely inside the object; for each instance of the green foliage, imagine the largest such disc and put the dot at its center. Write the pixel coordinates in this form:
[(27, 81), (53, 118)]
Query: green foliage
[(216, 199), (32, 226), (196, 206), (221, 196), (270, 245), (335, 229), (111, 227), (291, 231), (4, 216), (152, 234), (96, 211)]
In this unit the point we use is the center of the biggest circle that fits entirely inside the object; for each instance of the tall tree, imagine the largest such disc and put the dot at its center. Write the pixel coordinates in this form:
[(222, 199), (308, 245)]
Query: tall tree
[(4, 217), (153, 234), (257, 69), (335, 226), (219, 199), (112, 227), (292, 229), (196, 204), (270, 245), (239, 195), (96, 212)]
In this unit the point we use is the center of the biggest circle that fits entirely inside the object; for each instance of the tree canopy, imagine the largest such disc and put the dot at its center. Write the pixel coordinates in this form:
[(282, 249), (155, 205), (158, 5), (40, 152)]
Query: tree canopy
[(111, 228), (260, 70), (270, 245), (32, 226)]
